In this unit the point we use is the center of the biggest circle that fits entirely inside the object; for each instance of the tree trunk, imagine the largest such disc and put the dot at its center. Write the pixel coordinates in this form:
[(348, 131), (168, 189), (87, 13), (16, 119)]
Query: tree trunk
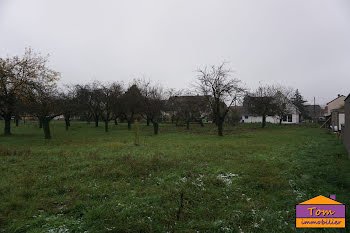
[(187, 124), (96, 122), (148, 120), (220, 127), (115, 121), (129, 124), (40, 123), (201, 122), (67, 122), (106, 125), (155, 127), (7, 129), (46, 127), (137, 134), (17, 121), (263, 121), (280, 120)]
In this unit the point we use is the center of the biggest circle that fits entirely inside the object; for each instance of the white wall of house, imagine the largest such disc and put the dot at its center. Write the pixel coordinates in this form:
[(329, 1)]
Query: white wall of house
[(292, 118), (271, 119)]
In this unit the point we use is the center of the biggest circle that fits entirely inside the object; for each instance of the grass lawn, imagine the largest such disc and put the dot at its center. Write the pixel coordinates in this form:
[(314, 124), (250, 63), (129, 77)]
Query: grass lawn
[(86, 180)]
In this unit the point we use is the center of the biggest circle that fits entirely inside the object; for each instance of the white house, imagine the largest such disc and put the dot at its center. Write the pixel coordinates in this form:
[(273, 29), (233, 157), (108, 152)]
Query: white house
[(337, 119), (335, 113), (292, 118), (335, 104)]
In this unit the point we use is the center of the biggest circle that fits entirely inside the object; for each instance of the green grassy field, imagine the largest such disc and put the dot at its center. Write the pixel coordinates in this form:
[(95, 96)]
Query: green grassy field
[(86, 180)]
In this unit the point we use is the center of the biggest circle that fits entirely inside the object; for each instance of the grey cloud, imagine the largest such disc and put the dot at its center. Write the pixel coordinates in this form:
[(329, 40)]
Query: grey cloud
[(303, 44)]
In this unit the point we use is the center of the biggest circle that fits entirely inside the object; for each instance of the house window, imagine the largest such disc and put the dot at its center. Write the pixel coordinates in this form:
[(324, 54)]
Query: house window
[(284, 118), (290, 118), (246, 117)]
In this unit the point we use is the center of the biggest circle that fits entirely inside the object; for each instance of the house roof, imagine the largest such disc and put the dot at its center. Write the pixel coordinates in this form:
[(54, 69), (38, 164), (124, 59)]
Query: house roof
[(189, 98), (311, 107), (248, 98), (320, 200), (347, 97), (247, 101), (336, 98)]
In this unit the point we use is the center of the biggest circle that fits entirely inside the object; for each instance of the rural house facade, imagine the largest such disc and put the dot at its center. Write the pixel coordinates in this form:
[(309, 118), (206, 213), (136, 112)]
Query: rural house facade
[(337, 119), (335, 114), (292, 118), (335, 104)]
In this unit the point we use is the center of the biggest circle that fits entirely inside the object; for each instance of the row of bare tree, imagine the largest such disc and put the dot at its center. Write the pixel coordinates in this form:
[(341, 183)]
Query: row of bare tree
[(105, 102), (28, 88)]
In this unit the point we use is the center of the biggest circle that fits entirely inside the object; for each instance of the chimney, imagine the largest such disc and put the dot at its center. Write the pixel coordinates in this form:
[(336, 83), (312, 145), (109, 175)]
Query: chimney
[(332, 196)]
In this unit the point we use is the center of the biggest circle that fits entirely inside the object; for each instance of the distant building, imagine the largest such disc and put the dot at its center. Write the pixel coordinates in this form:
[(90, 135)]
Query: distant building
[(314, 112), (346, 127), (325, 111), (337, 119), (335, 104), (194, 103), (334, 113), (292, 118)]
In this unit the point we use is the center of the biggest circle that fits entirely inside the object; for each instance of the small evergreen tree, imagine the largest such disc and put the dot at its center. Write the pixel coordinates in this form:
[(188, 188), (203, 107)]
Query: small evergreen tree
[(298, 101)]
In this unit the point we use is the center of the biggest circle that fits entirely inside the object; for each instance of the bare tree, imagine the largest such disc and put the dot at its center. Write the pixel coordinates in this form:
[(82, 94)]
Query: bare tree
[(110, 95), (82, 101), (189, 108), (146, 89), (185, 109), (153, 98), (221, 91), (131, 104), (155, 106), (89, 98), (46, 106), (43, 99), (262, 102), (283, 99), (69, 103), (171, 103)]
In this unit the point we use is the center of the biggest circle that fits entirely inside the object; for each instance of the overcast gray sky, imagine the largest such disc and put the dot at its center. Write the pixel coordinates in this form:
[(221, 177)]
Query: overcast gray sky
[(304, 44)]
